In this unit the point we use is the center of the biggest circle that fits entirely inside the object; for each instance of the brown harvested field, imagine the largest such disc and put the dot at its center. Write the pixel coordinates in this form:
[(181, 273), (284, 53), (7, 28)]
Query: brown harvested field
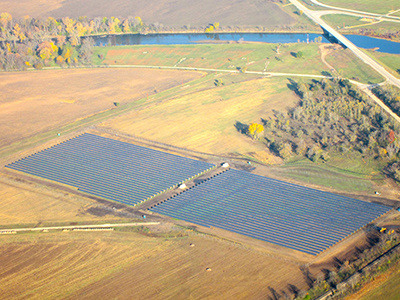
[(23, 202), (167, 12), (35, 102), (130, 265)]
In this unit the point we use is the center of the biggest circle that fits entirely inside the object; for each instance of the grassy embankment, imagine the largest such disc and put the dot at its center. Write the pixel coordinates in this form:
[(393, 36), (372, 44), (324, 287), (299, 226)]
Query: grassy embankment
[(251, 57), (390, 61)]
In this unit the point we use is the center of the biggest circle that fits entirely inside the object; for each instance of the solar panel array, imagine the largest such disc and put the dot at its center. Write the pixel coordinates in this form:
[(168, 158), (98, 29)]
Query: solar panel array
[(274, 211), (110, 169)]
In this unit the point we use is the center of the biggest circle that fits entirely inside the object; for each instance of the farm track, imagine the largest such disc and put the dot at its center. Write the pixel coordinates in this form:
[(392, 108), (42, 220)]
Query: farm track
[(72, 227)]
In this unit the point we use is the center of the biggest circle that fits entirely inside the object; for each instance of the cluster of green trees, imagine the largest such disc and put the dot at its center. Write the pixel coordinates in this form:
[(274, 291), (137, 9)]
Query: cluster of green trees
[(332, 116), (390, 95), (37, 42), (357, 266)]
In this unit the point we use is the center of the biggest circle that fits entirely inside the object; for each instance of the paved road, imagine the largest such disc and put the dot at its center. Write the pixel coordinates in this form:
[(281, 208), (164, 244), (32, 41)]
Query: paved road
[(364, 13), (344, 41), (2, 231)]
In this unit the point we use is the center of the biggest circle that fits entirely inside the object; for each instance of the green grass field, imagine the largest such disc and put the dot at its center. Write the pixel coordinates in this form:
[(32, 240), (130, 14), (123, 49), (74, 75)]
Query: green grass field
[(390, 61), (250, 57), (254, 57), (349, 173), (352, 24), (365, 5), (349, 66)]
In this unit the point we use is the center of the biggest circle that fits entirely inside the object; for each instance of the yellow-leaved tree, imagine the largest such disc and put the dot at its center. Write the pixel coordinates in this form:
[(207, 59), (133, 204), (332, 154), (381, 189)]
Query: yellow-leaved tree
[(255, 130)]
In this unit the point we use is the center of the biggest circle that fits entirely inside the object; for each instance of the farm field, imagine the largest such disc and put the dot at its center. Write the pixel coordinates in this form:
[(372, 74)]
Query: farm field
[(365, 5), (167, 12), (58, 97), (29, 203), (201, 116), (251, 57), (111, 169), (303, 219), (143, 264)]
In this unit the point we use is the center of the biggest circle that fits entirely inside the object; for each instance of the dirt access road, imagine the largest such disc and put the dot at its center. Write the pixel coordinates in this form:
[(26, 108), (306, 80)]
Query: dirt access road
[(72, 227)]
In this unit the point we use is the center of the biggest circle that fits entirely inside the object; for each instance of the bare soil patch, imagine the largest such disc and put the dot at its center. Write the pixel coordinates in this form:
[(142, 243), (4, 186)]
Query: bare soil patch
[(35, 102), (167, 12)]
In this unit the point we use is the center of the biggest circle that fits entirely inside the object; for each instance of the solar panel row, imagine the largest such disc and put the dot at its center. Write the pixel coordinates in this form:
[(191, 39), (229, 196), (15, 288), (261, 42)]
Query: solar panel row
[(289, 215), (111, 169), (285, 214)]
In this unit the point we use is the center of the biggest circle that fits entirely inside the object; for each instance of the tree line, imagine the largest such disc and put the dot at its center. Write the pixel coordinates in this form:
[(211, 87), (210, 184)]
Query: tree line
[(332, 116), (37, 42)]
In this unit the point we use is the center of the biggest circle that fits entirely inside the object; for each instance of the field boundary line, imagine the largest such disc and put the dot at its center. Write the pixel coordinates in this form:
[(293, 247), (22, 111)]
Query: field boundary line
[(72, 227)]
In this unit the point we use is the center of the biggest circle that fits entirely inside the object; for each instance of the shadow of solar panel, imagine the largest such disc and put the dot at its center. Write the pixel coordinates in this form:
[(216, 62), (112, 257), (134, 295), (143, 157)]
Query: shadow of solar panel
[(274, 211), (111, 169)]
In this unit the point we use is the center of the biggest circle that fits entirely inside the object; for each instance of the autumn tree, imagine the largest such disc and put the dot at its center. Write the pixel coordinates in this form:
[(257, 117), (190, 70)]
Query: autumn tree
[(5, 20), (86, 50), (47, 50), (255, 130)]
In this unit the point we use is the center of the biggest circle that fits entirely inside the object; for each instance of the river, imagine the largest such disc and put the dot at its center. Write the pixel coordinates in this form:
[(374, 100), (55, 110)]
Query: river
[(186, 39)]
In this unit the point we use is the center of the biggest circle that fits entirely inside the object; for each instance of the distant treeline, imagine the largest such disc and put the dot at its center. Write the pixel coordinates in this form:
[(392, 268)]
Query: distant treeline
[(333, 116), (38, 42)]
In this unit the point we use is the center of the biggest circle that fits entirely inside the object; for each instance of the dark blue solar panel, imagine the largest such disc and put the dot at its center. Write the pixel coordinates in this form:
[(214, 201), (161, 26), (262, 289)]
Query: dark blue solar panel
[(282, 213), (111, 169)]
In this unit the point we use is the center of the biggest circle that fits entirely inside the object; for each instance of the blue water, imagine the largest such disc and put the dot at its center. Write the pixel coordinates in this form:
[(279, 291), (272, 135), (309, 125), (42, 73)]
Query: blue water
[(369, 42), (185, 39)]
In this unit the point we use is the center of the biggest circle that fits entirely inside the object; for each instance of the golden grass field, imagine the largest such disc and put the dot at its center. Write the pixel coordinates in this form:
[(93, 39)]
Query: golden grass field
[(58, 97), (130, 265), (204, 118)]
